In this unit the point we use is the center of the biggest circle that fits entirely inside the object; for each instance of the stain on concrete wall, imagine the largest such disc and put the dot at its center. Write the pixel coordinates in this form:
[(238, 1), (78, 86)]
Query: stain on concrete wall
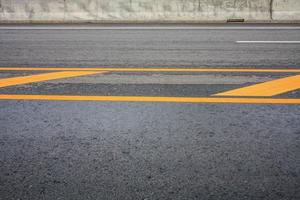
[(17, 9), (86, 10), (286, 9), (31, 10), (146, 10), (47, 10)]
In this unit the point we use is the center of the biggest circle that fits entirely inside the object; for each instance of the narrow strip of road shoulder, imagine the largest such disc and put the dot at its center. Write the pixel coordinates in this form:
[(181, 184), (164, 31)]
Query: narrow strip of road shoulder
[(53, 27), (109, 69), (268, 42)]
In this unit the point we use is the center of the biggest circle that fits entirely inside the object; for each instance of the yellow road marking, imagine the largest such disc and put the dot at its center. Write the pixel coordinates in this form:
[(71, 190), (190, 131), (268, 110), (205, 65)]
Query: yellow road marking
[(267, 89), (150, 99), (41, 77), (264, 89), (152, 69)]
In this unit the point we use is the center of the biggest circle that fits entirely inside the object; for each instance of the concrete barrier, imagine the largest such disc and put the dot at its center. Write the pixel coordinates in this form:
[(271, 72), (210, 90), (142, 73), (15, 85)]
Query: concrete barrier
[(183, 10), (147, 10)]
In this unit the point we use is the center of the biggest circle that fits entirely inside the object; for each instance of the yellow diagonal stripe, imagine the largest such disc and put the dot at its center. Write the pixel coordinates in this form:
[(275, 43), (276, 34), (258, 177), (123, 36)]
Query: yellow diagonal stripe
[(267, 89), (42, 77), (149, 99)]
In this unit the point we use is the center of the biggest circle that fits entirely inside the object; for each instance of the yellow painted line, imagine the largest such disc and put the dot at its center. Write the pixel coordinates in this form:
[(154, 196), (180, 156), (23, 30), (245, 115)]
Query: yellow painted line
[(150, 99), (41, 77), (153, 69), (267, 89)]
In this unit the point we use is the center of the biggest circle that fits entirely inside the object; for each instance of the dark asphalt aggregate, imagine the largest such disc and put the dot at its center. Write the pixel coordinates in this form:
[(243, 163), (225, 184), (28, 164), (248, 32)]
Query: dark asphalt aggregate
[(92, 150), (121, 150)]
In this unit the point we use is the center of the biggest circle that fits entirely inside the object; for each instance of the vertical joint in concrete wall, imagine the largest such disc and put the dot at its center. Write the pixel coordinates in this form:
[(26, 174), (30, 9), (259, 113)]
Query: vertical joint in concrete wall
[(199, 5), (1, 8), (271, 9), (65, 8), (131, 8), (97, 10)]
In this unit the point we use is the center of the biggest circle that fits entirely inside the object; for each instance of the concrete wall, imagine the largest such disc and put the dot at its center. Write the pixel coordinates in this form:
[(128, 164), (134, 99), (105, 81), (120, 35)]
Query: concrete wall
[(146, 10)]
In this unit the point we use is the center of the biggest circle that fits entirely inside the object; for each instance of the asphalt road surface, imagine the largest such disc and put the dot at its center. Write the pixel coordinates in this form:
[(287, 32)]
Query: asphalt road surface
[(125, 112)]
